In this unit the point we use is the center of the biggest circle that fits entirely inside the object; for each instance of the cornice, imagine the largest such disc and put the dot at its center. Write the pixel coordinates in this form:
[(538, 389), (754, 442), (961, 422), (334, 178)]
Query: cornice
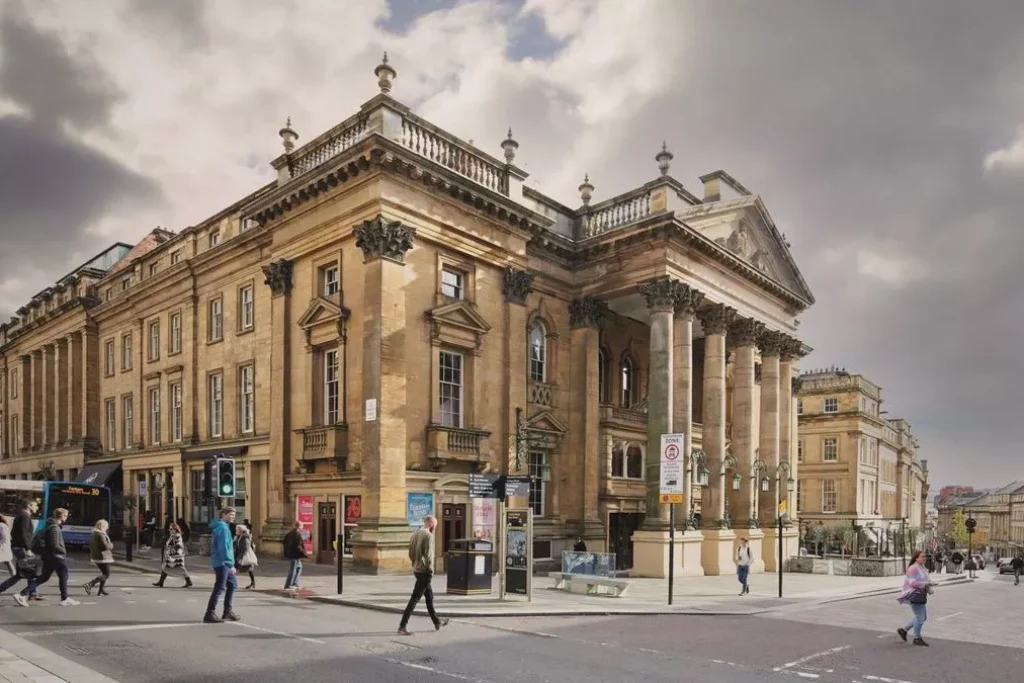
[(83, 303)]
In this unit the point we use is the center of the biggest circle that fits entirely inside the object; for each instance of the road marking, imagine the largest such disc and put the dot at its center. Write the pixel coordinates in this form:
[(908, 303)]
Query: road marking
[(277, 633), (506, 629), (130, 602), (162, 602), (804, 674), (949, 616), (439, 672), (802, 660), (884, 635), (883, 679), (102, 629), (653, 652)]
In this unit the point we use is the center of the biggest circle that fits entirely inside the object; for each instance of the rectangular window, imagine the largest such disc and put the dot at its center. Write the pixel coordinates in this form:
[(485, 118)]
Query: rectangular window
[(126, 283), (829, 497), (108, 364), (128, 420), (800, 450), (154, 415), (216, 405), (331, 388), (452, 283), (154, 340), (175, 344), (154, 268), (451, 389), (216, 327), (246, 311), (799, 406), (830, 449), (126, 351), (830, 405), (332, 280), (214, 238), (15, 436), (111, 424), (538, 462), (247, 399), (200, 510), (175, 258), (799, 496), (176, 412), (14, 383)]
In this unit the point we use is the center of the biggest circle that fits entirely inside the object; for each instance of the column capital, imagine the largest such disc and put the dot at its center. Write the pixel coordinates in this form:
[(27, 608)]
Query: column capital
[(660, 294), (792, 348), (380, 238), (796, 383), (688, 301), (278, 276), (745, 331), (716, 318), (587, 311), (771, 342), (517, 285)]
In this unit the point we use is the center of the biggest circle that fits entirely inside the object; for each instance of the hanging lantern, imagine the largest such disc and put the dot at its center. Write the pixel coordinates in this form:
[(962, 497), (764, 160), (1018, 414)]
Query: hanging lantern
[(765, 484), (736, 481), (703, 476)]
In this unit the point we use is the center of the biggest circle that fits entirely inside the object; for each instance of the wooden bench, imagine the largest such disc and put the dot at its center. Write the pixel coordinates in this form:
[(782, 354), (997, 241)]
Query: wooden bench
[(590, 585)]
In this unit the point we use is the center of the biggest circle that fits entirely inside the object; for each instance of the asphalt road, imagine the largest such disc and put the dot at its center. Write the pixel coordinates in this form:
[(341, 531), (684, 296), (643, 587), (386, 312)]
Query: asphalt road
[(142, 633)]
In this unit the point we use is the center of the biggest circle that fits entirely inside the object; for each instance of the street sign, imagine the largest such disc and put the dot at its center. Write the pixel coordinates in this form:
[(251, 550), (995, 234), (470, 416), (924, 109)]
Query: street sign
[(142, 487), (483, 485), (672, 468), (518, 486), (782, 508)]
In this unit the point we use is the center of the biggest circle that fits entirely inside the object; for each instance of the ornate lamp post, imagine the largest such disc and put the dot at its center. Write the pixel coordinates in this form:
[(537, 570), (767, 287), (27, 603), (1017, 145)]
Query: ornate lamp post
[(697, 471), (737, 479), (758, 480)]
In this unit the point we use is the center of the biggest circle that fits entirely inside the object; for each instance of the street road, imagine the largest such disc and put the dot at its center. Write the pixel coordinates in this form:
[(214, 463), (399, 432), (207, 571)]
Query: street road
[(141, 633)]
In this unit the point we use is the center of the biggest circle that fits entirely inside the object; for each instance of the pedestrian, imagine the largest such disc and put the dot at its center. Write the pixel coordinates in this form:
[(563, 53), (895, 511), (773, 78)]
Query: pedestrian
[(958, 562), (580, 546), (174, 557), (245, 556), (26, 563), (421, 553), (50, 544), (1017, 564), (6, 554), (186, 530), (148, 531), (916, 588), (101, 554), (222, 560), (744, 558), (939, 561), (296, 553)]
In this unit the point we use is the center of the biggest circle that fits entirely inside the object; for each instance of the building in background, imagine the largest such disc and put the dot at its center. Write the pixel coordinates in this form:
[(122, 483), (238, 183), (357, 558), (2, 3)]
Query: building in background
[(999, 517)]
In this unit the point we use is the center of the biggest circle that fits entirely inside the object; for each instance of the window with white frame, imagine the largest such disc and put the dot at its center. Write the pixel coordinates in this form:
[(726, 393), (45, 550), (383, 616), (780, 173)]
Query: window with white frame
[(538, 352), (453, 283), (332, 280), (862, 451), (830, 405), (126, 351), (629, 375), (247, 398), (216, 392), (538, 464), (128, 421), (830, 449), (246, 307), (627, 461), (829, 495), (216, 326), (175, 257), (154, 340), (332, 393), (154, 268), (108, 364), (214, 238), (154, 415), (451, 378), (175, 391), (111, 424), (175, 333)]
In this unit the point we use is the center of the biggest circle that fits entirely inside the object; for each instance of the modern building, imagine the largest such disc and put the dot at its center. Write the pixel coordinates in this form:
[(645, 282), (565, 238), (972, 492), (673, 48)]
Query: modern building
[(398, 310), (857, 465)]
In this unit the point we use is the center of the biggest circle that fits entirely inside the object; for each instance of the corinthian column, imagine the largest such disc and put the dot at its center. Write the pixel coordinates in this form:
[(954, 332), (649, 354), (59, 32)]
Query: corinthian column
[(715, 319), (771, 346), (743, 335), (688, 301), (791, 350), (63, 353)]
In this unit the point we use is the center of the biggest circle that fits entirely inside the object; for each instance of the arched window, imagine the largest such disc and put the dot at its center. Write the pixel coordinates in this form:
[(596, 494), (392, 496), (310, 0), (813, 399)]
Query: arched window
[(602, 376), (628, 382), (538, 352), (627, 461)]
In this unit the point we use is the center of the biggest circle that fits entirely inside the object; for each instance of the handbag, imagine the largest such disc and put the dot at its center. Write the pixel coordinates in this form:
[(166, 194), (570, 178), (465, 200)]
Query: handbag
[(918, 597), (249, 559)]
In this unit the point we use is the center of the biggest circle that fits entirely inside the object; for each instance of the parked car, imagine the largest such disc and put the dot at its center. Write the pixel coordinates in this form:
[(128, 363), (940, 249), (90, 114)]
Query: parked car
[(1005, 565), (979, 561)]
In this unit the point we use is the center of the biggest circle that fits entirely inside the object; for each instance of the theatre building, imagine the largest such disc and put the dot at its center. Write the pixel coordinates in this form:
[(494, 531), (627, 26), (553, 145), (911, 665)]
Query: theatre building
[(382, 320)]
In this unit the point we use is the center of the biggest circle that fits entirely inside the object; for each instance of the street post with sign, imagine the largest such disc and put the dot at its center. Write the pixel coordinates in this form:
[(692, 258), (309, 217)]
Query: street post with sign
[(670, 489), (781, 562)]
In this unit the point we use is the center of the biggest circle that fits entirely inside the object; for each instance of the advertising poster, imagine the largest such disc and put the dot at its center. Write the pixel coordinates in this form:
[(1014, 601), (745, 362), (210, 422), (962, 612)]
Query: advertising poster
[(517, 562), (304, 516), (353, 513), (418, 506), (485, 512)]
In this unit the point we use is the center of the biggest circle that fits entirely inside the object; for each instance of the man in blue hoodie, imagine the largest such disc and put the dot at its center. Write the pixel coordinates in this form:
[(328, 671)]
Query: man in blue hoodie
[(222, 559)]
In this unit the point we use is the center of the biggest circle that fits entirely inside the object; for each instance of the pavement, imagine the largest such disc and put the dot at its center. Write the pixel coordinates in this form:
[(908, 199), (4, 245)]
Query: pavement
[(145, 634), (711, 595)]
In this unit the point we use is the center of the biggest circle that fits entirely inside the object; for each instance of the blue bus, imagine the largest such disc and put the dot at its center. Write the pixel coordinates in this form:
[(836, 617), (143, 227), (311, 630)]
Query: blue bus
[(85, 504)]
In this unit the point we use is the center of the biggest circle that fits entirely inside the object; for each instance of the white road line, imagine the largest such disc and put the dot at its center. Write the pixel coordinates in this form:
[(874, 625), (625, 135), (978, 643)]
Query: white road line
[(884, 635), (949, 616), (101, 629), (439, 672), (802, 660), (277, 633), (162, 602), (883, 679), (653, 652), (506, 629), (130, 602), (804, 674)]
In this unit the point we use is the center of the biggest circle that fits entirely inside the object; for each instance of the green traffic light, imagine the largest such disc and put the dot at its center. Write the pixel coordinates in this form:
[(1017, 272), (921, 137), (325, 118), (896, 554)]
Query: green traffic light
[(226, 488)]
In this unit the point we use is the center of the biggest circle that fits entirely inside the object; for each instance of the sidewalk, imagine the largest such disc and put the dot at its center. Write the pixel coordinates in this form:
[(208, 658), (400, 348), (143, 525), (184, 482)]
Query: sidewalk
[(708, 595)]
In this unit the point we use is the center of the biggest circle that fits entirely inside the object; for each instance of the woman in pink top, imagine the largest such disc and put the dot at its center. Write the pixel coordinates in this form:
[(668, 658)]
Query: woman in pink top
[(916, 586)]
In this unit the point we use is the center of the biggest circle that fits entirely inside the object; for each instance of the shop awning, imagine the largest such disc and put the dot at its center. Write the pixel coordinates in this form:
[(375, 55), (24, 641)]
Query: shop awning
[(207, 454), (98, 474)]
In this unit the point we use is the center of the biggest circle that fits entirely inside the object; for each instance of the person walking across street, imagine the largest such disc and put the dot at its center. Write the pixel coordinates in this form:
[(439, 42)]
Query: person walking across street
[(245, 556), (50, 544), (421, 553), (744, 558), (958, 562), (174, 557), (6, 554), (101, 554), (222, 559), (916, 588), (26, 563), (1017, 564), (295, 553)]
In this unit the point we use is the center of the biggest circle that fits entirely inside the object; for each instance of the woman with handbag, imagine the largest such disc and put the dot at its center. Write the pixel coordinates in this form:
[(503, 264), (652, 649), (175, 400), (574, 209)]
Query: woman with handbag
[(101, 554), (174, 558), (916, 588), (245, 556)]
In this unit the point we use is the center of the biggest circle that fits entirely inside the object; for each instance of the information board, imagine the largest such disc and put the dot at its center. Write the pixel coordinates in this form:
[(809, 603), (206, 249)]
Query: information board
[(483, 485), (673, 470), (518, 545)]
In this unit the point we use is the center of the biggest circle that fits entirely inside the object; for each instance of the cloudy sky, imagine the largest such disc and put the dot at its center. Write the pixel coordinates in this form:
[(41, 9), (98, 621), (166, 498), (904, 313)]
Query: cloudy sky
[(886, 138)]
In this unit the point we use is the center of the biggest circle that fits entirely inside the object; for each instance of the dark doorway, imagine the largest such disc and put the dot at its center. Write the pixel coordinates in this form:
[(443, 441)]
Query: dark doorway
[(621, 527), (453, 526), (328, 532)]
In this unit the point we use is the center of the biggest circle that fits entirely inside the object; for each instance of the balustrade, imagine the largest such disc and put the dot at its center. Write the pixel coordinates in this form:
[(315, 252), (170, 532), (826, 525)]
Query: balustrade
[(452, 155), (617, 212), (335, 145)]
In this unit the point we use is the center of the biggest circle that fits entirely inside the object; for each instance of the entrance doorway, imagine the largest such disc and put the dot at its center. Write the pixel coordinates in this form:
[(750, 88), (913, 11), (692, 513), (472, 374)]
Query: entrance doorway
[(453, 526), (620, 532), (327, 533)]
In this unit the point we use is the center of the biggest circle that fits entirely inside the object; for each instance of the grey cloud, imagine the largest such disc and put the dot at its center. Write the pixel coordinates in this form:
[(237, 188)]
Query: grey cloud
[(180, 19)]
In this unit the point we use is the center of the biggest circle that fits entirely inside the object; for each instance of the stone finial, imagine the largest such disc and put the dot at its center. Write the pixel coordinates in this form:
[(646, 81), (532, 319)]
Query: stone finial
[(716, 318), (587, 311), (517, 285), (688, 301), (288, 136), (586, 190), (379, 238), (278, 276), (510, 146), (661, 294), (385, 74), (664, 158)]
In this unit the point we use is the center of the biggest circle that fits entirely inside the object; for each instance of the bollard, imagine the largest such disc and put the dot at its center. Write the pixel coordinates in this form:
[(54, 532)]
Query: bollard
[(340, 553)]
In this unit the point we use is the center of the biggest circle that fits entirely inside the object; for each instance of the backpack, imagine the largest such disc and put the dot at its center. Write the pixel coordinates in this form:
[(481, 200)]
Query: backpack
[(38, 545)]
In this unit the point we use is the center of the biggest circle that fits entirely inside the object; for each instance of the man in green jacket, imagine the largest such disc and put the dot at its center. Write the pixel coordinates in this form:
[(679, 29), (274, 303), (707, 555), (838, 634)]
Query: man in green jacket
[(421, 553)]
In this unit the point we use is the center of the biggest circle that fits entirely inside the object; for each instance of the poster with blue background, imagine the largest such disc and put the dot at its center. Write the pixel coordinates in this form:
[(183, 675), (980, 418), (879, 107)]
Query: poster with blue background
[(418, 506)]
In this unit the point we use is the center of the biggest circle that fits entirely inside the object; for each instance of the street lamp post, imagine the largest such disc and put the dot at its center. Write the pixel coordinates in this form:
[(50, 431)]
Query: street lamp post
[(697, 471), (783, 470), (728, 463), (759, 483)]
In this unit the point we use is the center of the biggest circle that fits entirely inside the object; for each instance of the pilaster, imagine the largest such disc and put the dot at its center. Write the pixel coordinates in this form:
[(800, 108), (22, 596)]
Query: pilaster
[(75, 398), (25, 402), (771, 347), (743, 504), (715, 319), (61, 400), (787, 413), (584, 412), (38, 386), (49, 394)]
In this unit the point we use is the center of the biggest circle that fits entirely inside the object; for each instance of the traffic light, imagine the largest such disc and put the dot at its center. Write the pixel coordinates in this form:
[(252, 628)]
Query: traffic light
[(225, 477)]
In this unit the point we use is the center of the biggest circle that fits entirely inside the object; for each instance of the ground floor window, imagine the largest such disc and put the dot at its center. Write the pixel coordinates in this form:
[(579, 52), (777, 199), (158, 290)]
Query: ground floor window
[(538, 462), (200, 510), (353, 513)]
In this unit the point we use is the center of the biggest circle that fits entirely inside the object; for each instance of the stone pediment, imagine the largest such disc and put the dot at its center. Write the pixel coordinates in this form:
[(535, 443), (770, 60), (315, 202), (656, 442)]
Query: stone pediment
[(544, 429), (323, 313), (457, 324)]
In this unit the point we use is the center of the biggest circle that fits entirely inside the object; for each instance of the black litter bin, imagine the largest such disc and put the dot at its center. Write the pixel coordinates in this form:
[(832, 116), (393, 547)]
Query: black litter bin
[(469, 567)]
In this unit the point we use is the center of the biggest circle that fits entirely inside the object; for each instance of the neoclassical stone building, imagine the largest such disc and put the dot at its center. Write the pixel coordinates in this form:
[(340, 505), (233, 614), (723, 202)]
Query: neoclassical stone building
[(387, 316)]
